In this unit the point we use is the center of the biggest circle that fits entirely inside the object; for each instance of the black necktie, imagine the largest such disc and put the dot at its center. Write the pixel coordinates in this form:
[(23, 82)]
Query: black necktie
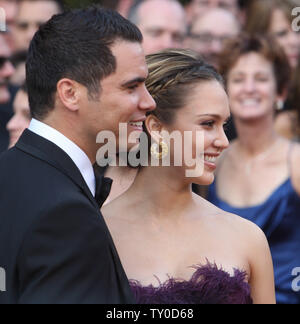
[(103, 186)]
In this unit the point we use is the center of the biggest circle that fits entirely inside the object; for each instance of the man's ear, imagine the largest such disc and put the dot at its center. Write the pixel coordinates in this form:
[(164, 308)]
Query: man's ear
[(154, 127), (69, 93)]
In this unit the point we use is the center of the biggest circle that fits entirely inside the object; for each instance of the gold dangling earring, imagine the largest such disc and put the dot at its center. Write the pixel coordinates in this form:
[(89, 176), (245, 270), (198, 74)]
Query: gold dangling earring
[(159, 151)]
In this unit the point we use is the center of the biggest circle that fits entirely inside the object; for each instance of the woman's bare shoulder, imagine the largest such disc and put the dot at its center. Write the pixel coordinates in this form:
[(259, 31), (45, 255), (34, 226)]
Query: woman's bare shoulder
[(234, 224), (248, 237), (241, 226)]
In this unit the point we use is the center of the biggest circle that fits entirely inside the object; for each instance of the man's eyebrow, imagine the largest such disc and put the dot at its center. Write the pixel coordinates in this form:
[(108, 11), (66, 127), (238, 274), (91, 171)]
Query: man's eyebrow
[(133, 81)]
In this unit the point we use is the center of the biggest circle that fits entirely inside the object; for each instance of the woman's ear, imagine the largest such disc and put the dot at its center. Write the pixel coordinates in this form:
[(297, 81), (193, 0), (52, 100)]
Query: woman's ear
[(69, 93), (154, 127)]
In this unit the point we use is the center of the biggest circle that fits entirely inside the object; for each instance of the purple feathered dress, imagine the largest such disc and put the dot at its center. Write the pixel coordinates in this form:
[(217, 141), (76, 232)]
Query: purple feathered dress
[(209, 285)]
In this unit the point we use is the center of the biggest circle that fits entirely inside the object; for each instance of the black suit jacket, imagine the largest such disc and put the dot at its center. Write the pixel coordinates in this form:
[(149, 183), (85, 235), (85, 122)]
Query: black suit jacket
[(54, 244)]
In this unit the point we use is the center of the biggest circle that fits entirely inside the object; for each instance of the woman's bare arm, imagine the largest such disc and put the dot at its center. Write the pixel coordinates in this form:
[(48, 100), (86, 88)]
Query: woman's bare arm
[(261, 264)]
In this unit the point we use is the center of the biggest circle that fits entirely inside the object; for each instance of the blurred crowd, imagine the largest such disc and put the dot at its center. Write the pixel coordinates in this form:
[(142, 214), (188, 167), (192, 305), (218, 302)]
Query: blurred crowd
[(254, 44), (202, 25), (23, 18)]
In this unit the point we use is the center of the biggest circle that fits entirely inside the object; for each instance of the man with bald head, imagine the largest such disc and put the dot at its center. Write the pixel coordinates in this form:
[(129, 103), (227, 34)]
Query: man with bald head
[(207, 37), (162, 23)]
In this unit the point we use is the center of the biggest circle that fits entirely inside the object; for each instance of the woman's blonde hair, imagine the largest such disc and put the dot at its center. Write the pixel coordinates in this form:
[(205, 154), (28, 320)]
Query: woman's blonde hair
[(173, 74)]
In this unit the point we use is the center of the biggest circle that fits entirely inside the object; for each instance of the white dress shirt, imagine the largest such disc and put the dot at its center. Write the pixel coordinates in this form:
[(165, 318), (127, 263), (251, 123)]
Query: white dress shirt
[(80, 159)]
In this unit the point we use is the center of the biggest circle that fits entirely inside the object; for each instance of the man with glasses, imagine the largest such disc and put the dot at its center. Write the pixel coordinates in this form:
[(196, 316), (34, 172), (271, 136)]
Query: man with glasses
[(208, 37)]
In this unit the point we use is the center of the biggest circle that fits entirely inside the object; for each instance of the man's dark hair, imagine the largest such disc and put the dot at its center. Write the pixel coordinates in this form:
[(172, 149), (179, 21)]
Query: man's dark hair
[(75, 45)]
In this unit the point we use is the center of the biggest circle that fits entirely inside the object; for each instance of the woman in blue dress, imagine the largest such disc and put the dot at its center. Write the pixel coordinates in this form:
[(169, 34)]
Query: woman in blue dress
[(258, 177)]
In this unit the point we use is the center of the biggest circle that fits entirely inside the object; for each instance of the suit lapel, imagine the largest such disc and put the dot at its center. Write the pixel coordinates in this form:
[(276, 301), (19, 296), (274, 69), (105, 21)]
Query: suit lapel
[(50, 153)]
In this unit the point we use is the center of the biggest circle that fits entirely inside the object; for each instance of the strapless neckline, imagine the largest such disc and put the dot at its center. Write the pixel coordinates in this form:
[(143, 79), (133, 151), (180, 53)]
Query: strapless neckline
[(208, 285)]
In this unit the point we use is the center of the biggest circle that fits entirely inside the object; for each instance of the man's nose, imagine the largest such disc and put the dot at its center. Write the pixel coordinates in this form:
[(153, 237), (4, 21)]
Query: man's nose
[(147, 102), (166, 41)]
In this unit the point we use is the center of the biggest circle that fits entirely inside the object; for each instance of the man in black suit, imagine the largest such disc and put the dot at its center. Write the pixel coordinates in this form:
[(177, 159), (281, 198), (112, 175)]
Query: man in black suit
[(85, 74)]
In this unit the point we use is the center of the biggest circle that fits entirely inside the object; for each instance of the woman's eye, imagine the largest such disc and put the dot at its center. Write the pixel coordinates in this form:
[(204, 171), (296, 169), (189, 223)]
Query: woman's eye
[(208, 124), (262, 78)]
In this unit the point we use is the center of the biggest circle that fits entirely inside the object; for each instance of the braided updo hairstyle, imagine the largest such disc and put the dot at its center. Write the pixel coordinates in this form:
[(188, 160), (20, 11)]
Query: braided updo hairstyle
[(173, 74)]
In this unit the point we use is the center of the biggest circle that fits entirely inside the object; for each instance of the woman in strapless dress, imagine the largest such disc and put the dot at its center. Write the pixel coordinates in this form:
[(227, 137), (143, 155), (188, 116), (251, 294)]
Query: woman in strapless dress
[(175, 246)]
